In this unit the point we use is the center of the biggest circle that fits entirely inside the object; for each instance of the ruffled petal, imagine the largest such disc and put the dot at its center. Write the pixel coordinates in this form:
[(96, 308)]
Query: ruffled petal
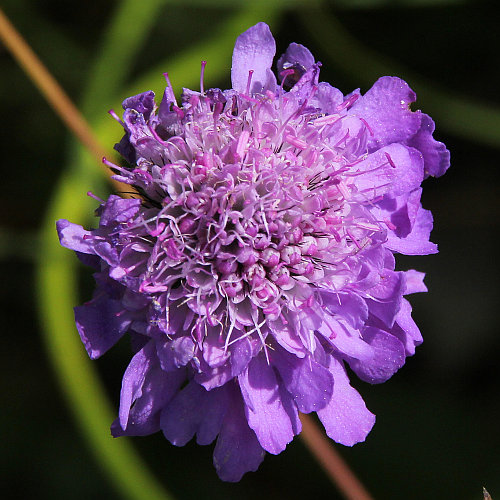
[(417, 241), (133, 381), (396, 169), (388, 359), (345, 418), (310, 383), (117, 210), (156, 391), (175, 353), (254, 50), (386, 109), (436, 155), (101, 324), (238, 450), (143, 103), (74, 237), (194, 411), (264, 409), (296, 57)]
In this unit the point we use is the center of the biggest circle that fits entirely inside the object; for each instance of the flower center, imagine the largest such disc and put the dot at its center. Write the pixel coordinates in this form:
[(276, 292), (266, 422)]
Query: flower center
[(253, 201)]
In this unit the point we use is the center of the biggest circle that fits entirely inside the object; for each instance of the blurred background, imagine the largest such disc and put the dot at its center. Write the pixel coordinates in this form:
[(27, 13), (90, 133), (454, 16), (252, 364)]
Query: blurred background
[(437, 433)]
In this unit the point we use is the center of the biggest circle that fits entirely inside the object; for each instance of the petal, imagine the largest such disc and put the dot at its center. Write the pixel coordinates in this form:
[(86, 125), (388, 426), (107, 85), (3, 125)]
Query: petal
[(406, 330), (194, 411), (156, 391), (414, 282), (388, 359), (345, 339), (254, 50), (74, 237), (286, 335), (237, 450), (133, 381), (417, 242), (307, 83), (327, 98), (310, 383), (210, 378), (345, 418), (175, 353), (386, 109), (436, 156), (296, 56), (399, 212), (264, 409), (350, 306), (101, 323), (241, 354), (143, 103), (396, 169), (116, 210)]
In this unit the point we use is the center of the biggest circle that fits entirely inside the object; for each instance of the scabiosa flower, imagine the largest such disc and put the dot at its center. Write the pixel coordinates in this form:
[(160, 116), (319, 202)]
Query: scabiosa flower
[(258, 259)]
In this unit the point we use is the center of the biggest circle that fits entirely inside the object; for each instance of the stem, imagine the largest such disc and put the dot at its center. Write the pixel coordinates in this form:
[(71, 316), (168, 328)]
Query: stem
[(333, 464), (48, 86)]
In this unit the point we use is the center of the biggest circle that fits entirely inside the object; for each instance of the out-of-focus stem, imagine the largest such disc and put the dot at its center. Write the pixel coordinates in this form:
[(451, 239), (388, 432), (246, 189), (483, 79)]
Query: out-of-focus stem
[(48, 86), (333, 464)]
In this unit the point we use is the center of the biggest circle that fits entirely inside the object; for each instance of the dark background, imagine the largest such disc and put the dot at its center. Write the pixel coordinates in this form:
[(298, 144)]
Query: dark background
[(437, 432)]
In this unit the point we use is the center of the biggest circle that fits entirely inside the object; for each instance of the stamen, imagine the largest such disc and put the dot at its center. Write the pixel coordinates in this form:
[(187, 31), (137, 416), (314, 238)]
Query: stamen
[(202, 74), (117, 118), (169, 85), (95, 197), (389, 159), (249, 81)]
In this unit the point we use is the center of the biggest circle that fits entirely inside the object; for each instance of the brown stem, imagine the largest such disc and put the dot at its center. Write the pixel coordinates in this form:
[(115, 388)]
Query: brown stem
[(333, 464), (49, 87)]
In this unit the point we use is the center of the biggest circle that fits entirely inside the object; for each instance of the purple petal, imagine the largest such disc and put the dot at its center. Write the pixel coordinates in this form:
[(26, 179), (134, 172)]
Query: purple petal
[(117, 210), (388, 359), (156, 391), (210, 378), (296, 57), (309, 383), (254, 50), (406, 330), (396, 169), (175, 353), (143, 103), (133, 380), (388, 294), (345, 339), (287, 337), (309, 81), (345, 418), (436, 156), (399, 211), (417, 242), (194, 411), (327, 98), (101, 323), (386, 108), (241, 354), (414, 282), (265, 411), (237, 450), (74, 237), (350, 306)]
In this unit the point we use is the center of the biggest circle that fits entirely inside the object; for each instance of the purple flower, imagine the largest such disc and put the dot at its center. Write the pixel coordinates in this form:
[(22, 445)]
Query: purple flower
[(258, 259)]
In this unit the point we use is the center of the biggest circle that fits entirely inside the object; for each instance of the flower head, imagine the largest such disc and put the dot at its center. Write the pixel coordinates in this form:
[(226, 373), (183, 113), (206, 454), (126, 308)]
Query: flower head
[(258, 258)]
